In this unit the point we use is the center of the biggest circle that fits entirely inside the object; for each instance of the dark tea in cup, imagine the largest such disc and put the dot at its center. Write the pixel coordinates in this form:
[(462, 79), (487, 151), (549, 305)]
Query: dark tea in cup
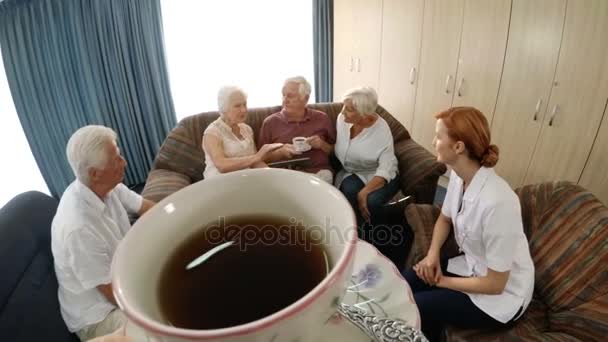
[(273, 263)]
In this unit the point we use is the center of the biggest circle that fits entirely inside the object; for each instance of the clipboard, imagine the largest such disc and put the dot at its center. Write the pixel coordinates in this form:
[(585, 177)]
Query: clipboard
[(293, 164)]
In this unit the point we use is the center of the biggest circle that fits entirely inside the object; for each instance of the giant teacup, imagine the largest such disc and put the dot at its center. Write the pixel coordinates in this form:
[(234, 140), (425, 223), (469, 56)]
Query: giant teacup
[(139, 260)]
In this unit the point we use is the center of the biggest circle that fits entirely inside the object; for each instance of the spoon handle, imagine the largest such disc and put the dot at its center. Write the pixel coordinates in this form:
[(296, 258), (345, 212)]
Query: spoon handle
[(381, 329)]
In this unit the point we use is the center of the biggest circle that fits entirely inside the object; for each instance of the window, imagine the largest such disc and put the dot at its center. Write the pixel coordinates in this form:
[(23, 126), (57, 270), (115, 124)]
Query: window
[(251, 44), (20, 172)]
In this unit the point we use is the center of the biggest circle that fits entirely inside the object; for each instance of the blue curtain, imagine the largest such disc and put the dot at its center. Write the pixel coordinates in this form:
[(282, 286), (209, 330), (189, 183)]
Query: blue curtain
[(70, 63), (323, 42)]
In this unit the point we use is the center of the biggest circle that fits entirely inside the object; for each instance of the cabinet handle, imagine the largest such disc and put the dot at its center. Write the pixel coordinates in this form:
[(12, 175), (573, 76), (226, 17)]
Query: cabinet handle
[(537, 109), (553, 112), (447, 84), (460, 87), (412, 75), (351, 64), (358, 64)]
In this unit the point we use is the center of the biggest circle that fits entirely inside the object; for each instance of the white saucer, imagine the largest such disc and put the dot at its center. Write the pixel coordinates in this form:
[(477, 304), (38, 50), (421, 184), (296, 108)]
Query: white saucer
[(306, 149), (376, 286)]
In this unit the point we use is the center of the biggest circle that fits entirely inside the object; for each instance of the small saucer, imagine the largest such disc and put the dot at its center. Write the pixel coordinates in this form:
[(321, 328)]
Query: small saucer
[(376, 286), (306, 149)]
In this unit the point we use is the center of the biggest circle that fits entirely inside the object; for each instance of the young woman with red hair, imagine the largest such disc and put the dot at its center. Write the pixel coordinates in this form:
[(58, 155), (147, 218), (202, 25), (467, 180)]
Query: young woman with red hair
[(490, 283)]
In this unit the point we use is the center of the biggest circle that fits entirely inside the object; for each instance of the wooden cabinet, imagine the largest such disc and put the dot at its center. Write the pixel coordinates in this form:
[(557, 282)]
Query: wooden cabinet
[(595, 174), (400, 57), (463, 46), (357, 37), (534, 40), (438, 63), (537, 69), (578, 96), (344, 46), (482, 50)]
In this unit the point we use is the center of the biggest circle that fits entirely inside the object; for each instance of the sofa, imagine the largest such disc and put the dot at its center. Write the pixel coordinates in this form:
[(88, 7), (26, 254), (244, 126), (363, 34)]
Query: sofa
[(180, 160), (567, 229), (29, 307)]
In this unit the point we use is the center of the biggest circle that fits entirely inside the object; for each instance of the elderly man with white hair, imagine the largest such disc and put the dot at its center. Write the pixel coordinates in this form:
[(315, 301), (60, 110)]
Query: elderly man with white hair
[(296, 120), (364, 146), (90, 222), (228, 142)]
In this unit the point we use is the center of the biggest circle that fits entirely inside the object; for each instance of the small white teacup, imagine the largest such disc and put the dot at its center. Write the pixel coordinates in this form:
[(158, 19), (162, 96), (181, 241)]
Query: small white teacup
[(300, 144), (139, 259)]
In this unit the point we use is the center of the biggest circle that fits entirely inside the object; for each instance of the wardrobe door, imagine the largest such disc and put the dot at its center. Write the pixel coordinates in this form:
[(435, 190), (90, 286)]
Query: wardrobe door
[(595, 175), (344, 48), (438, 58), (534, 40), (367, 28), (578, 97), (401, 38), (482, 52)]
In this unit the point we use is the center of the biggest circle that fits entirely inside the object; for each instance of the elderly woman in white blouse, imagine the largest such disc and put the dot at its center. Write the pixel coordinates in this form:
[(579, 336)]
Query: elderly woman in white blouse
[(228, 142), (364, 146)]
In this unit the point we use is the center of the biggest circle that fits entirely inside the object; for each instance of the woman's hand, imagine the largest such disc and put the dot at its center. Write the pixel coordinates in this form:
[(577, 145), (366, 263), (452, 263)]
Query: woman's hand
[(267, 148), (429, 269), (362, 199), (287, 152)]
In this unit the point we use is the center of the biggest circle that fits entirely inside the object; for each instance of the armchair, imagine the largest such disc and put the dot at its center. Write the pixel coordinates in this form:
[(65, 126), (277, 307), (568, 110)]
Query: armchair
[(567, 229)]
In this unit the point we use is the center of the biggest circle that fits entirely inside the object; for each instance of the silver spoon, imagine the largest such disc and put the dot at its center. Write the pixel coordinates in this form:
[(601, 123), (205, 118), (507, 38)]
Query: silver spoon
[(208, 254), (381, 329)]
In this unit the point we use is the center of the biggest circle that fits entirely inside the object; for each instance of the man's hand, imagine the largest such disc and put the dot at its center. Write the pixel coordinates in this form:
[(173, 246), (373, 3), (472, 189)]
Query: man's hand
[(146, 204), (316, 142)]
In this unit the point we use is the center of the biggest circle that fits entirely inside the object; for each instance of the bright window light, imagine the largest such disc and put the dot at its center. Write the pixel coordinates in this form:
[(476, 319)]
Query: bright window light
[(251, 44), (20, 172)]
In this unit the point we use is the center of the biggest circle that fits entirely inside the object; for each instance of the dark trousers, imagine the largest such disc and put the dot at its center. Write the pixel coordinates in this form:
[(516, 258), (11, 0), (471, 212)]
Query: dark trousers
[(440, 307), (387, 229), (351, 186)]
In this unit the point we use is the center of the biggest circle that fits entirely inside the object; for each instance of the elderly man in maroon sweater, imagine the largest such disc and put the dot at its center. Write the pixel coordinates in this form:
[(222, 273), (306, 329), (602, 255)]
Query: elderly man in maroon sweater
[(296, 120)]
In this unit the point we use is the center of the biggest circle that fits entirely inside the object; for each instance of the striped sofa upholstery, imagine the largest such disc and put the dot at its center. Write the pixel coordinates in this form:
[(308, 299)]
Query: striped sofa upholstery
[(180, 160), (567, 228)]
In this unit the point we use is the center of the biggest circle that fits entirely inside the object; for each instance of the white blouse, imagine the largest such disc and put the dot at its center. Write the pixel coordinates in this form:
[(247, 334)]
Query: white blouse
[(371, 153), (488, 228), (233, 146)]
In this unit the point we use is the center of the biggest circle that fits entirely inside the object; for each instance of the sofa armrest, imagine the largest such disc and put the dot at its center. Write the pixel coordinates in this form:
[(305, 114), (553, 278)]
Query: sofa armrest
[(162, 183), (418, 171), (421, 218)]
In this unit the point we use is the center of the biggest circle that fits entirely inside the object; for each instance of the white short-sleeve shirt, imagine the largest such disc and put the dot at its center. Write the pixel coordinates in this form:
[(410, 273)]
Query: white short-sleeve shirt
[(371, 153), (489, 231), (84, 235)]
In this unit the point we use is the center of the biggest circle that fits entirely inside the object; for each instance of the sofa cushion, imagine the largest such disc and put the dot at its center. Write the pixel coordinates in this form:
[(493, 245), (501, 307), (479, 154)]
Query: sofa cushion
[(531, 326), (568, 234), (29, 307), (588, 321)]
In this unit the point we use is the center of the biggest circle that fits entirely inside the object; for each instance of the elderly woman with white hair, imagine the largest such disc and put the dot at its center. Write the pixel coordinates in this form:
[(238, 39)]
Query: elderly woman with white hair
[(364, 146), (228, 142)]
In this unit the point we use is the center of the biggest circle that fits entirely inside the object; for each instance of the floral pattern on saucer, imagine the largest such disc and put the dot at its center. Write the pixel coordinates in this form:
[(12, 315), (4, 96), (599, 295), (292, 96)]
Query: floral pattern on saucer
[(376, 286)]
